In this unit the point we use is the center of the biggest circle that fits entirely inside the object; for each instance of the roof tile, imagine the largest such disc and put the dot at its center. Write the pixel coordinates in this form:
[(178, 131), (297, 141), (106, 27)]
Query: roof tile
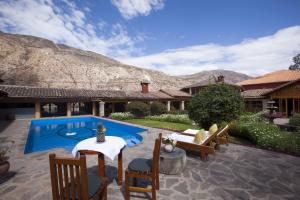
[(274, 77), (38, 92), (256, 93)]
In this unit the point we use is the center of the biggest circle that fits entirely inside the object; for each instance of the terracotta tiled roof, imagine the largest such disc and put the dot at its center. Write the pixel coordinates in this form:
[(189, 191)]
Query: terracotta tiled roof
[(256, 93), (175, 93), (151, 95), (38, 92), (274, 77)]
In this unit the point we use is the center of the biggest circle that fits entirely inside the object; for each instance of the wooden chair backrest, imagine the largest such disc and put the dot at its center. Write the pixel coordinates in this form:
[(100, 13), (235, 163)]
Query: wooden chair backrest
[(223, 131), (68, 177), (210, 138), (156, 152)]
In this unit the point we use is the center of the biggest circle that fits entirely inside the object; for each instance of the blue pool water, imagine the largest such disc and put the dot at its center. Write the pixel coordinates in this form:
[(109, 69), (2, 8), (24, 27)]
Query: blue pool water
[(67, 132)]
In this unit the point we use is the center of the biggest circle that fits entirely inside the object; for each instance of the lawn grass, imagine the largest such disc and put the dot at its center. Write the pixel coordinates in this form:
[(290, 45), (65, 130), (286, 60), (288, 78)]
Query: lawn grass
[(161, 124)]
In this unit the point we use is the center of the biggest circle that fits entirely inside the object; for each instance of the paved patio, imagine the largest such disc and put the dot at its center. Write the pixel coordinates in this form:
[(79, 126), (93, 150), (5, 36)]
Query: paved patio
[(235, 172)]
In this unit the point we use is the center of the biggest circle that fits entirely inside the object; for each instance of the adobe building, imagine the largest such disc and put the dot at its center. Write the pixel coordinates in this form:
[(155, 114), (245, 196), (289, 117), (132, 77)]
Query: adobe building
[(197, 87), (37, 102), (282, 86)]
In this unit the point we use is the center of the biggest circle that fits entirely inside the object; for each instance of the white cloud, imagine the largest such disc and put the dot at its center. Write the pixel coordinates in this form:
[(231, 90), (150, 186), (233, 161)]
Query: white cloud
[(133, 8), (69, 25), (252, 56), (64, 24)]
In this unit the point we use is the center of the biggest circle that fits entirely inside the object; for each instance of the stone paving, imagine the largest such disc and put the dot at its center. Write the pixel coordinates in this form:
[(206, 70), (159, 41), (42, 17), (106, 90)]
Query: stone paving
[(235, 172)]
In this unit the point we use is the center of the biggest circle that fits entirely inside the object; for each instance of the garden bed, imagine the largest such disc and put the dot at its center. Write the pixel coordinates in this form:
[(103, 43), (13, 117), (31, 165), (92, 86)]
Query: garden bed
[(162, 124), (262, 134)]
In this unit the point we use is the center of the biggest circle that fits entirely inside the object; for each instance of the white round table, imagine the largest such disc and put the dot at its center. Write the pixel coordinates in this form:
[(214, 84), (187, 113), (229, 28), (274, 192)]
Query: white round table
[(111, 147)]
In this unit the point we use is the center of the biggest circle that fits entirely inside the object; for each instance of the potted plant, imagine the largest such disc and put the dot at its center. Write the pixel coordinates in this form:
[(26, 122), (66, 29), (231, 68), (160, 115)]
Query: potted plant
[(4, 164), (101, 133), (169, 144)]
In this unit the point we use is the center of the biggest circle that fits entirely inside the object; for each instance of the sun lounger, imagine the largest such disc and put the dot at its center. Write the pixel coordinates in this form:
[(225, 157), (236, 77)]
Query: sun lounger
[(186, 142), (208, 143), (222, 135)]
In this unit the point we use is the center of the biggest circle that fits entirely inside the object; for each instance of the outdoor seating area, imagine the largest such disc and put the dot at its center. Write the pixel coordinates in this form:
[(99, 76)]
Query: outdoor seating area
[(69, 177), (235, 172), (149, 99)]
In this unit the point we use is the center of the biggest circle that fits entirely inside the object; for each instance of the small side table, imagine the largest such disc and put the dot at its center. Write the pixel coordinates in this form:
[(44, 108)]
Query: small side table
[(172, 163)]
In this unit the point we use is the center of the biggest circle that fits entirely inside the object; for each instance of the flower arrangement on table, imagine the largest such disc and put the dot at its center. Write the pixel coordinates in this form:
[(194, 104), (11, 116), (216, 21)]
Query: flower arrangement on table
[(169, 144), (101, 133)]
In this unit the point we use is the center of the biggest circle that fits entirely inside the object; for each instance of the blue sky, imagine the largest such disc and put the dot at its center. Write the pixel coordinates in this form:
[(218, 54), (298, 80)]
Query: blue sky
[(175, 36)]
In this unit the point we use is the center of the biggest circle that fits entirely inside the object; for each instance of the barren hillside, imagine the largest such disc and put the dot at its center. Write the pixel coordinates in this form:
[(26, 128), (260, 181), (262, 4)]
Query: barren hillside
[(28, 60)]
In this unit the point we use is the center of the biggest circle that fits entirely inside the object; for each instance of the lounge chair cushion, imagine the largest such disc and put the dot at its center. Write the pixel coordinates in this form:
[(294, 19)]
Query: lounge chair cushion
[(191, 131), (182, 138), (213, 129), (199, 136), (142, 165)]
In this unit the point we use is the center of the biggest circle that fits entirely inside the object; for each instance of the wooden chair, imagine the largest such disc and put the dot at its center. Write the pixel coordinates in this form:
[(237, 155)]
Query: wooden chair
[(144, 169), (69, 180)]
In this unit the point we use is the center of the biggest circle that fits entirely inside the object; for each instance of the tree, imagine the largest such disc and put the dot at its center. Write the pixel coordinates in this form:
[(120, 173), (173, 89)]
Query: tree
[(158, 108), (216, 104), (138, 109), (296, 65)]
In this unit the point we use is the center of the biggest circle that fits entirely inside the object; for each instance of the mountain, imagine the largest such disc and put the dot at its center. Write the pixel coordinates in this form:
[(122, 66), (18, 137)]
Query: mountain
[(34, 61), (230, 76)]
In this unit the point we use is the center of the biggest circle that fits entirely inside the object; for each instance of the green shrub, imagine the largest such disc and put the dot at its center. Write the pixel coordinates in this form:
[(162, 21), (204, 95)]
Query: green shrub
[(183, 119), (121, 115), (158, 108), (215, 104), (178, 112), (138, 109), (295, 120), (255, 129)]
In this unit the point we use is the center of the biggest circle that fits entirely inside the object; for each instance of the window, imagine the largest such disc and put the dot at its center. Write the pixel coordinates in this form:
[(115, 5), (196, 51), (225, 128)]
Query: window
[(253, 106), (53, 109), (81, 108)]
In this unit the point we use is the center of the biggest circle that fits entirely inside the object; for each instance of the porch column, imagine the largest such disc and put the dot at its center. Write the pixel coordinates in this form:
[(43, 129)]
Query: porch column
[(182, 105), (190, 91), (286, 107), (69, 113), (37, 110), (168, 106), (294, 110), (112, 107), (94, 108), (264, 104), (101, 109)]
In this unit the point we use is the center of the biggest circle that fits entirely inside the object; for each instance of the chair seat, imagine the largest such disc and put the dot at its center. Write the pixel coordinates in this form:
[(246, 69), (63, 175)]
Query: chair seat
[(94, 183), (142, 165)]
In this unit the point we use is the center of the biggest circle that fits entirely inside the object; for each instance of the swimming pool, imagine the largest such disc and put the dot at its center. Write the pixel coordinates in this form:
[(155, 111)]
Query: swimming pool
[(67, 132)]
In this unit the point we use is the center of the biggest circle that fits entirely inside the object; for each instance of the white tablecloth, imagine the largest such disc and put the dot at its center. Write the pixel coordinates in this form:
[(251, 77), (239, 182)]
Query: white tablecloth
[(110, 148)]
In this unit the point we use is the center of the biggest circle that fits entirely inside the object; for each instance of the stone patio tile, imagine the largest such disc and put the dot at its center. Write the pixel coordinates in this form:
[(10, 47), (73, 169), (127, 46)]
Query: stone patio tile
[(235, 172)]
